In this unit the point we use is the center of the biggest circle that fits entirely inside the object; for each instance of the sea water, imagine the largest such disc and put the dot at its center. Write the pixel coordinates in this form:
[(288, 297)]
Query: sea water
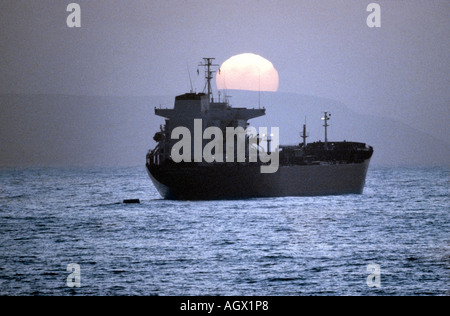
[(51, 219)]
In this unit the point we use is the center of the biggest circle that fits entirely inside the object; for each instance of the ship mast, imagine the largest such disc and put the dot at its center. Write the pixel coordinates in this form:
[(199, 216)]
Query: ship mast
[(304, 135), (325, 118), (207, 62)]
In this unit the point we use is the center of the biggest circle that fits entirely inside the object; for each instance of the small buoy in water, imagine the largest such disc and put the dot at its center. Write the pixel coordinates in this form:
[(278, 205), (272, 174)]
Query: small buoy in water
[(132, 201)]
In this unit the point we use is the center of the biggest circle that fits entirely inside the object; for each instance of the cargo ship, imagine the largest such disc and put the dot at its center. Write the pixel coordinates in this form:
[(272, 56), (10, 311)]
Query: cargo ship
[(186, 173)]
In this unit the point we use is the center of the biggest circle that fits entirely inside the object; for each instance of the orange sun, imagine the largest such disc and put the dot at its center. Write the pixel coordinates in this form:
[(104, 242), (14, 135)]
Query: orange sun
[(247, 72)]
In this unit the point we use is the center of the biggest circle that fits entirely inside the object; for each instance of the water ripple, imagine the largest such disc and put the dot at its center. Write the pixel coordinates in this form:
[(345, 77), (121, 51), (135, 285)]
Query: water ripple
[(50, 218)]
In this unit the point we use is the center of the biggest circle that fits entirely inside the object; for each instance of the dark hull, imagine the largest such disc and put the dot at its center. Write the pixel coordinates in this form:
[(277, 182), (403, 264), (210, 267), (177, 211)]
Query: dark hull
[(227, 181)]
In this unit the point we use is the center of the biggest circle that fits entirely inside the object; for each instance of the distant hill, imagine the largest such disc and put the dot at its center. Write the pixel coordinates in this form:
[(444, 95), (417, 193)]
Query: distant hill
[(61, 130), (394, 143)]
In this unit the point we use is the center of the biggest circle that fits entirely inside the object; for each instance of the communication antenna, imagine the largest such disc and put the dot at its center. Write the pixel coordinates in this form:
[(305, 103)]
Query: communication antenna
[(190, 80)]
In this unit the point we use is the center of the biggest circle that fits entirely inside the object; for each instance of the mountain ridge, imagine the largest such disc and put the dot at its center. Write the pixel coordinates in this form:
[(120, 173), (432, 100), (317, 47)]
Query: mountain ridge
[(69, 130)]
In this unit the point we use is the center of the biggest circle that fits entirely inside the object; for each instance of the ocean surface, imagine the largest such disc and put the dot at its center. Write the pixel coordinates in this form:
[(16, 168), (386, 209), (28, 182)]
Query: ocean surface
[(51, 218)]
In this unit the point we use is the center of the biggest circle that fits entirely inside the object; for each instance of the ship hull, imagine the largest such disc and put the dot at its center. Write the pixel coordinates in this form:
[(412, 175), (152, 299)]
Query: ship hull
[(241, 182)]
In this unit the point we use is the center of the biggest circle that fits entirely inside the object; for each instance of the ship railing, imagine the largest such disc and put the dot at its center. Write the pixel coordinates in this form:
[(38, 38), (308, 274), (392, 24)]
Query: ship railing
[(153, 156)]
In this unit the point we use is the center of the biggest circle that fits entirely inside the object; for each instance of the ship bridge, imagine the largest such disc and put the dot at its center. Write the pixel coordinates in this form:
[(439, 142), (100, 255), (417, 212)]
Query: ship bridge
[(198, 105)]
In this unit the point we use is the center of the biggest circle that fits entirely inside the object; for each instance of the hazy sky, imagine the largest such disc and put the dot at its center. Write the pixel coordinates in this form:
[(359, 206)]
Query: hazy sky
[(321, 48)]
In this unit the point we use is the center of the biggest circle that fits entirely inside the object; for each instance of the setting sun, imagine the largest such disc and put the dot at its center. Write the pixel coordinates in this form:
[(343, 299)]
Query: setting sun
[(247, 72)]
